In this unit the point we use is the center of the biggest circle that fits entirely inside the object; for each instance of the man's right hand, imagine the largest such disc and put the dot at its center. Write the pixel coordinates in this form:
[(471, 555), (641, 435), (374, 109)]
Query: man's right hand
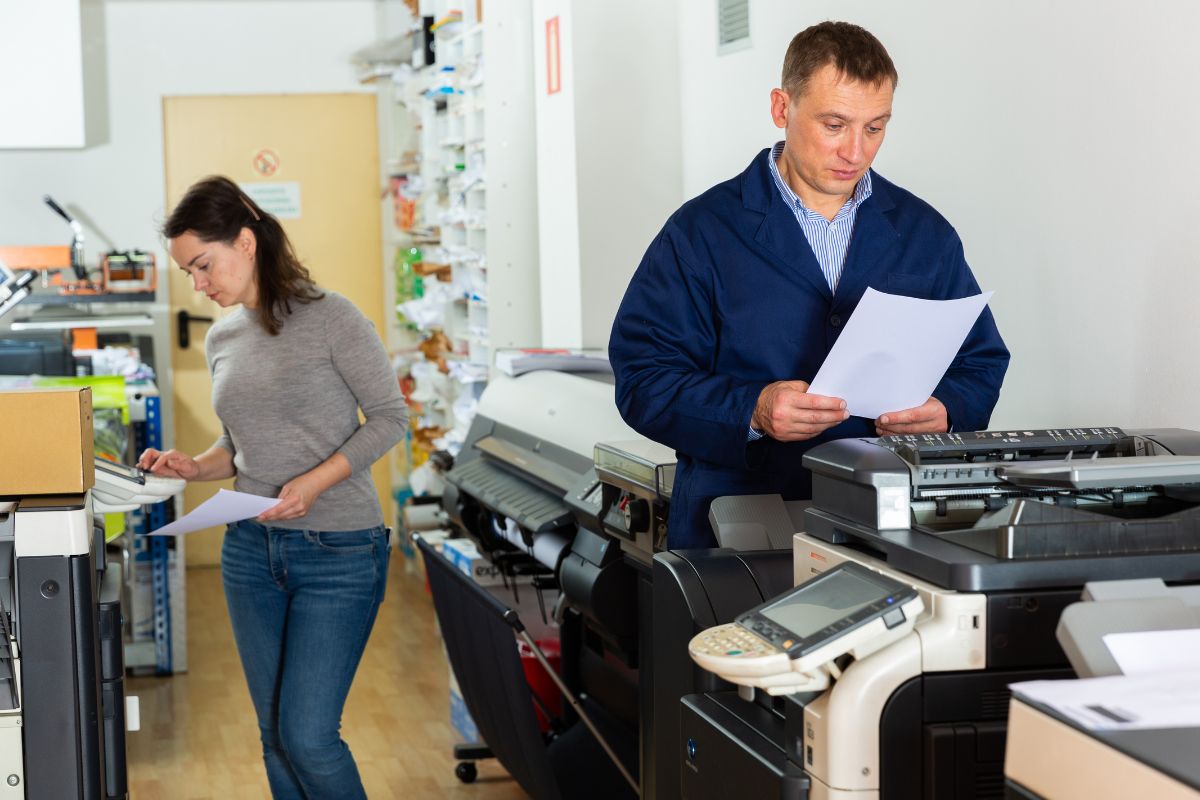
[(785, 411), (170, 463)]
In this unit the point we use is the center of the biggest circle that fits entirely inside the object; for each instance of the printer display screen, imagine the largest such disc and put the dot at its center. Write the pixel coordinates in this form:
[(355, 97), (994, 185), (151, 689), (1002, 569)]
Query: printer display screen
[(121, 470), (822, 602)]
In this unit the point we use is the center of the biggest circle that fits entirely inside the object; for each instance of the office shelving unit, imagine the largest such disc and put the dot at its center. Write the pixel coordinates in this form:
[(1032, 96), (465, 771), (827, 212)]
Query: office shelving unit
[(458, 143), (164, 651), (447, 174)]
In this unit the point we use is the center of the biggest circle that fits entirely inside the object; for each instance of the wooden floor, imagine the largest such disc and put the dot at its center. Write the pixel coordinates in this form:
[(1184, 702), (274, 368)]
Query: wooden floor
[(199, 738)]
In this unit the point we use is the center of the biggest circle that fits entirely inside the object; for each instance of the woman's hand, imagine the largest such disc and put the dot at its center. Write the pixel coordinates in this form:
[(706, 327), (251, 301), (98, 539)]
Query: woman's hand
[(295, 499), (171, 463)]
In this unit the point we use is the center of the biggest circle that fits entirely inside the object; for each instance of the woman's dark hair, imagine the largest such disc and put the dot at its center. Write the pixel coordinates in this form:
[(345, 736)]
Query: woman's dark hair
[(216, 210)]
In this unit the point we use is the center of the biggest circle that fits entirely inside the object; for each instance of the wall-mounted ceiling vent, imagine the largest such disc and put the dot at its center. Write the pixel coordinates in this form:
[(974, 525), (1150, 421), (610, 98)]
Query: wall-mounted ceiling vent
[(733, 24)]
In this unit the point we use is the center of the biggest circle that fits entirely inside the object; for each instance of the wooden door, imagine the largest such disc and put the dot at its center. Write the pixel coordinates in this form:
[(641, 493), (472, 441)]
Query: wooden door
[(321, 150)]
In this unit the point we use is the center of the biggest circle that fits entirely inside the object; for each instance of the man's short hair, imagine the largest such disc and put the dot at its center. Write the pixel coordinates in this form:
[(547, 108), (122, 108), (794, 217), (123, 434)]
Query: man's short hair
[(855, 53)]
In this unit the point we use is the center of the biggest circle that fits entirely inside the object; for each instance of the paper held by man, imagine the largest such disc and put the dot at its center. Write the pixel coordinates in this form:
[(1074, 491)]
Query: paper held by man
[(894, 351)]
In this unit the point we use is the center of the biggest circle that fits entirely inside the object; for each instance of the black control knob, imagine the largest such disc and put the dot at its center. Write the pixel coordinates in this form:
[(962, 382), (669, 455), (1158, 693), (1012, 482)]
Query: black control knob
[(637, 515)]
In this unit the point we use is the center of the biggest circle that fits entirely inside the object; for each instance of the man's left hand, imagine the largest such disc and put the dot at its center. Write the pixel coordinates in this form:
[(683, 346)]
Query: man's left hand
[(929, 417)]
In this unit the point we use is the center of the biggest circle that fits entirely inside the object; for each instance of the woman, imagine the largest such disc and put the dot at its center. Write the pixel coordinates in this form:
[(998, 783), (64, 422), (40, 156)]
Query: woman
[(290, 370)]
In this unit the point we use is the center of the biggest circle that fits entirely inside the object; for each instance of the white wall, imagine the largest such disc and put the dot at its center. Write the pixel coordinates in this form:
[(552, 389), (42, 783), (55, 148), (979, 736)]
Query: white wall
[(1057, 138), (557, 181), (609, 171), (514, 305), (627, 118)]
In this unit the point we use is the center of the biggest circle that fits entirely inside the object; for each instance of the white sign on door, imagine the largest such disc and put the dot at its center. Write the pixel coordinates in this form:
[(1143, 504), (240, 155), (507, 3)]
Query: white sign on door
[(281, 200)]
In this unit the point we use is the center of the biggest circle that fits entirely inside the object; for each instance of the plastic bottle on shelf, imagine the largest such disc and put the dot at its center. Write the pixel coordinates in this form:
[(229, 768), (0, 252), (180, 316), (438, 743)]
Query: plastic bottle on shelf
[(409, 284)]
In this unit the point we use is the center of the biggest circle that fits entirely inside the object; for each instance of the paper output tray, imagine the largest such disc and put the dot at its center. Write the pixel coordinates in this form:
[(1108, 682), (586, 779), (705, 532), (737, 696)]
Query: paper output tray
[(1103, 473), (1031, 529), (529, 505)]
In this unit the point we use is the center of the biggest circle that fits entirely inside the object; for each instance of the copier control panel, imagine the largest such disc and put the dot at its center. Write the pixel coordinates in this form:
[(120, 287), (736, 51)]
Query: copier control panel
[(847, 609), (123, 488)]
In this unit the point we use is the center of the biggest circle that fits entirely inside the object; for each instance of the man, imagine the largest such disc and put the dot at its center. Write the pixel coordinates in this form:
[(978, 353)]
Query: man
[(744, 291)]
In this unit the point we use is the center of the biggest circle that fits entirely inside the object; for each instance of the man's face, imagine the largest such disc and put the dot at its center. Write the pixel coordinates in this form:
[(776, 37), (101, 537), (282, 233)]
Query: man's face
[(832, 132)]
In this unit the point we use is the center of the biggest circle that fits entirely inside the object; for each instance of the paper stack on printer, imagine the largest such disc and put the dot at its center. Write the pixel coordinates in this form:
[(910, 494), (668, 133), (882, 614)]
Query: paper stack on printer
[(518, 361)]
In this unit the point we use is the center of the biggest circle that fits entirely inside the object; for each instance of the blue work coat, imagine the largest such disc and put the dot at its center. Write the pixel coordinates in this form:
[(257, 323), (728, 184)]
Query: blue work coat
[(729, 298)]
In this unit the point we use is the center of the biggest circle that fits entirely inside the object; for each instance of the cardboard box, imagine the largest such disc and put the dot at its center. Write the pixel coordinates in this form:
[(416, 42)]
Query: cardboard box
[(47, 442), (465, 556), (517, 593)]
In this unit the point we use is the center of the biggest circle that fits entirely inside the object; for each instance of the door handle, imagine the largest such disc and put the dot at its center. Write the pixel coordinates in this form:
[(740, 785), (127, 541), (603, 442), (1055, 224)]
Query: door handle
[(182, 320)]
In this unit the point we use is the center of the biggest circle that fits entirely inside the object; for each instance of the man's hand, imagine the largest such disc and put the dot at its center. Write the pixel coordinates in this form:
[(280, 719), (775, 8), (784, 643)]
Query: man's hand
[(295, 499), (929, 417), (171, 463), (786, 412)]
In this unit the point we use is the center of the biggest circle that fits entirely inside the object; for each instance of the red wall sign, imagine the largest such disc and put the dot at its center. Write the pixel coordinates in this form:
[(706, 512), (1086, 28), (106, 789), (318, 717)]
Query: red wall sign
[(266, 162), (553, 57)]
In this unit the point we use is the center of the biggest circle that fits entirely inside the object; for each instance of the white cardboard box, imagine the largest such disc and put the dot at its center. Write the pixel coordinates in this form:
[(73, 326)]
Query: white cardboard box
[(465, 556)]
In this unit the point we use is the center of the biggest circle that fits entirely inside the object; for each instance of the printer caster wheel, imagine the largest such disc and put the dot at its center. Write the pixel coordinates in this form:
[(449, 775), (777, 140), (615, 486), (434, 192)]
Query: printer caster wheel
[(465, 771)]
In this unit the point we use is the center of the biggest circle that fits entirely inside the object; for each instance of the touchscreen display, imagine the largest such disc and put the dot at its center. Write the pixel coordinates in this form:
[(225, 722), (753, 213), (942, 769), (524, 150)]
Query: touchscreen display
[(824, 602), (132, 473)]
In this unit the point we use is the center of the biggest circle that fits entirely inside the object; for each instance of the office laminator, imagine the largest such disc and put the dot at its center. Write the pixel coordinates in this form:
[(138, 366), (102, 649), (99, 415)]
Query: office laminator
[(997, 532)]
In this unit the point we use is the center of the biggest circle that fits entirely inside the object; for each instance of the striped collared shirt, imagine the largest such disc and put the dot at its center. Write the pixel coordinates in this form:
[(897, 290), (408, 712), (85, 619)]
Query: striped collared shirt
[(829, 240)]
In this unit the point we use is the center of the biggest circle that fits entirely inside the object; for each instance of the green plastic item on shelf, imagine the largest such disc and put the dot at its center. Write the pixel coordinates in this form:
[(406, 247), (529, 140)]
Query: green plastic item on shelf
[(108, 391), (409, 285), (114, 526)]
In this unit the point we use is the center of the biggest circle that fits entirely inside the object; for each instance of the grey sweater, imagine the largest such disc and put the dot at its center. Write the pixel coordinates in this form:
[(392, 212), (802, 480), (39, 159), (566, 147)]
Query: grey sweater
[(289, 402)]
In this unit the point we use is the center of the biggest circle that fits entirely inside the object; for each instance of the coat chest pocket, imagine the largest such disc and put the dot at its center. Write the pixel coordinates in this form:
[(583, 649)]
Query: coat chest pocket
[(910, 285)]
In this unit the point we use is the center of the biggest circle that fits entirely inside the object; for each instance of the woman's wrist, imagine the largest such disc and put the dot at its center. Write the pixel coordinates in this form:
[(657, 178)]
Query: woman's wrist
[(332, 470), (215, 464)]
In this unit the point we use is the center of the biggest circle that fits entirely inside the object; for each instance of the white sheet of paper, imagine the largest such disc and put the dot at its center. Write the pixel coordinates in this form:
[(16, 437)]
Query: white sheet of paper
[(222, 508), (1122, 702), (894, 350), (1145, 652)]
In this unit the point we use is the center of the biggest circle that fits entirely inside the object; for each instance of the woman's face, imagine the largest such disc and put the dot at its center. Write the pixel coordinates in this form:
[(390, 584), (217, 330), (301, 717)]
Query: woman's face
[(225, 273)]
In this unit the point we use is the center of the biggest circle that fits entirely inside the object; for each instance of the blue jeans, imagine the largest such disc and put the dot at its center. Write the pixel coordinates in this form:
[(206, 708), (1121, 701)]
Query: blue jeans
[(302, 604)]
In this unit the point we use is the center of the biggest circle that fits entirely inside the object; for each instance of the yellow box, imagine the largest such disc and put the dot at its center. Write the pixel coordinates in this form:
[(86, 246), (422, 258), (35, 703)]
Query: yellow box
[(47, 442)]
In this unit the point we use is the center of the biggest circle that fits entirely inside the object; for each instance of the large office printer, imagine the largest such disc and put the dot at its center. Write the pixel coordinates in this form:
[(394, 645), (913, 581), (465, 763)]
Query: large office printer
[(62, 703), (62, 697), (528, 448), (550, 470), (607, 579), (988, 535), (522, 485)]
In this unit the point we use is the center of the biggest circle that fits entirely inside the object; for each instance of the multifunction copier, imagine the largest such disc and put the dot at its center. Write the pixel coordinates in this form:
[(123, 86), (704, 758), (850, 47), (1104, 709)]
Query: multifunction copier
[(62, 697), (928, 574)]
